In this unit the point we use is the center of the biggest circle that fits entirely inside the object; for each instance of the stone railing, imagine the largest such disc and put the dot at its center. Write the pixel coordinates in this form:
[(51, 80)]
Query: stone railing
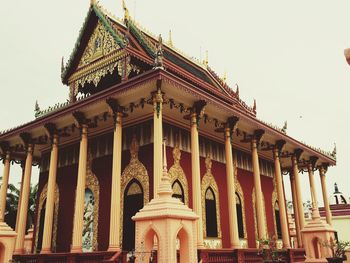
[(66, 257)]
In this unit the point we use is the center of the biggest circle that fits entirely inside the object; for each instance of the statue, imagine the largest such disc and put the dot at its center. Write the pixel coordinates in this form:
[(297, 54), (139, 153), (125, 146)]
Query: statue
[(158, 61)]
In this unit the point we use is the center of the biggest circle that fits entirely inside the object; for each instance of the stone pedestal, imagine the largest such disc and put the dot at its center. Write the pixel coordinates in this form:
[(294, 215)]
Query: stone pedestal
[(315, 232), (165, 220), (28, 241), (7, 242)]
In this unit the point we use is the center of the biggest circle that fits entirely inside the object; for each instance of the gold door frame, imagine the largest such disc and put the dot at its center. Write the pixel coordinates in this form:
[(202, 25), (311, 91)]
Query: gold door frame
[(42, 199), (134, 170), (208, 180)]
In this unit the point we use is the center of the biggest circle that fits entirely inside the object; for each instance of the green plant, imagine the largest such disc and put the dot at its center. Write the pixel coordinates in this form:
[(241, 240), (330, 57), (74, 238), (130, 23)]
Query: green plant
[(268, 249), (338, 248)]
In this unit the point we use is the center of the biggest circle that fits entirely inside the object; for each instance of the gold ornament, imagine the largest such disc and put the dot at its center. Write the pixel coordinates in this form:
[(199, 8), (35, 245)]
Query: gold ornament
[(208, 180), (42, 199), (134, 170), (177, 173)]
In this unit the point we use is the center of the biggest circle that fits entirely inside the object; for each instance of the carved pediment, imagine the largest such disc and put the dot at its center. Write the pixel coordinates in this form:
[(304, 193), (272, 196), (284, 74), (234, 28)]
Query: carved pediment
[(100, 44)]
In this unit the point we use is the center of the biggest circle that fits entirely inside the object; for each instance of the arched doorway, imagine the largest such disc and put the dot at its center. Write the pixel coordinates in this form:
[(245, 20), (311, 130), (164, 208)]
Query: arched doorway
[(239, 216), (178, 191), (278, 221), (41, 227), (210, 213), (183, 256), (133, 202)]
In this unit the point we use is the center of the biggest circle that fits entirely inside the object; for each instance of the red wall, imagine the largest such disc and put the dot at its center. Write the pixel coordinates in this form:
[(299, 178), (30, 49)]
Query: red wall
[(102, 167)]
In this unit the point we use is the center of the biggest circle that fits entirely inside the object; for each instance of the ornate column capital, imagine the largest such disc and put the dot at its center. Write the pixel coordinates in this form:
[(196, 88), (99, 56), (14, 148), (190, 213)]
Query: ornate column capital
[(323, 169), (116, 110)]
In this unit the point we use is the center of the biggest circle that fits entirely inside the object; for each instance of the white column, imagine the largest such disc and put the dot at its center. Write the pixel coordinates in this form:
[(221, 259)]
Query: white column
[(258, 192), (281, 201), (50, 199), (196, 179), (322, 172), (157, 140), (4, 184), (80, 194), (231, 191), (114, 229), (23, 210)]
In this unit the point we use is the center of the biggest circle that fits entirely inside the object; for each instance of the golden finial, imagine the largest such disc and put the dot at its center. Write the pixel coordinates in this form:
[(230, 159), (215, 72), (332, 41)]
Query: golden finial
[(177, 152), (126, 11), (205, 62), (208, 163), (92, 2), (170, 42), (134, 147), (224, 78)]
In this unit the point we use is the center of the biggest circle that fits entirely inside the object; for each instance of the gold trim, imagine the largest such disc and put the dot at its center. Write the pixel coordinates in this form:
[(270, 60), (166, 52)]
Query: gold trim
[(93, 184), (255, 213), (208, 180), (134, 170), (101, 43), (240, 193), (177, 173), (42, 199), (274, 201)]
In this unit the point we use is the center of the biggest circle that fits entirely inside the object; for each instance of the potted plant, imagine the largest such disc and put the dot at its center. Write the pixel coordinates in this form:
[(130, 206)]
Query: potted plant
[(338, 249), (268, 250)]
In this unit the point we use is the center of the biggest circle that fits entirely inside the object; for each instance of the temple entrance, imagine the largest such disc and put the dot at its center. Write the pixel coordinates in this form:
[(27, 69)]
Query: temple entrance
[(133, 202), (41, 227)]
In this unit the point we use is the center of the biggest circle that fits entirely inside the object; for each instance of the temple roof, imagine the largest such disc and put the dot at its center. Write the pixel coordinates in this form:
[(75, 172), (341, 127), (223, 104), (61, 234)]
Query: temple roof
[(131, 40), (131, 37)]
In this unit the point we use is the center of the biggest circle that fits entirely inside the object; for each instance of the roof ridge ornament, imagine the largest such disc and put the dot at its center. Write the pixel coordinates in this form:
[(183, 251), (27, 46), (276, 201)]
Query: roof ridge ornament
[(92, 2), (126, 12), (170, 41), (158, 60)]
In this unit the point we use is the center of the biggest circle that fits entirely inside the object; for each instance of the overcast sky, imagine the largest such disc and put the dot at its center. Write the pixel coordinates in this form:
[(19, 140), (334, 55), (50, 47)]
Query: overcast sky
[(288, 55)]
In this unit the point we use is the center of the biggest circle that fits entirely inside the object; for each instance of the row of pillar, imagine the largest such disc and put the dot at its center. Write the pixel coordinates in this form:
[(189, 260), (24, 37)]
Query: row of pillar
[(114, 237)]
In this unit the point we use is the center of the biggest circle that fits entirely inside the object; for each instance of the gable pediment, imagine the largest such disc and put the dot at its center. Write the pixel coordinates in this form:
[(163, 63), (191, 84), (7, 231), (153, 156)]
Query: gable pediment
[(100, 44)]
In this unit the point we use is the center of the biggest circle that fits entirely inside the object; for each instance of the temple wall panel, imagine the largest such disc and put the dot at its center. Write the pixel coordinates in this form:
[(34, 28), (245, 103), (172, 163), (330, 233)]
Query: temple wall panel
[(246, 180), (101, 151)]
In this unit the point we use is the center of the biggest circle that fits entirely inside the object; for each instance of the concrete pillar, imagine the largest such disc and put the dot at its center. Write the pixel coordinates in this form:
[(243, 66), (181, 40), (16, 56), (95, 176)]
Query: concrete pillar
[(258, 192), (231, 192), (281, 202), (80, 193), (114, 229), (50, 199), (315, 211), (157, 140), (23, 210), (196, 179), (298, 193), (295, 209), (4, 185), (322, 172)]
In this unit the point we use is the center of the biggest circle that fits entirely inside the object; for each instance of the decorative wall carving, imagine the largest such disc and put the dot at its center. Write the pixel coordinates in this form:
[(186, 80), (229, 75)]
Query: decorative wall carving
[(274, 201), (176, 172), (239, 192), (101, 43), (208, 180), (91, 211), (134, 170), (255, 214), (42, 199)]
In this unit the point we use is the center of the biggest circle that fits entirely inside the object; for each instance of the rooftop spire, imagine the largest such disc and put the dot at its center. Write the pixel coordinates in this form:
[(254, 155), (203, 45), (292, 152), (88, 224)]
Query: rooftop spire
[(92, 2), (158, 60), (170, 41), (206, 58), (126, 11)]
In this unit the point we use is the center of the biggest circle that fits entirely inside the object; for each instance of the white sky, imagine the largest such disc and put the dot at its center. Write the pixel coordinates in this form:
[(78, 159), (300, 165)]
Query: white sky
[(288, 55)]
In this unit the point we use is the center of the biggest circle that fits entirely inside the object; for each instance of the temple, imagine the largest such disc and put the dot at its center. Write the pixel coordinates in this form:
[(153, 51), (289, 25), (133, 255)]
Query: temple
[(100, 154)]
